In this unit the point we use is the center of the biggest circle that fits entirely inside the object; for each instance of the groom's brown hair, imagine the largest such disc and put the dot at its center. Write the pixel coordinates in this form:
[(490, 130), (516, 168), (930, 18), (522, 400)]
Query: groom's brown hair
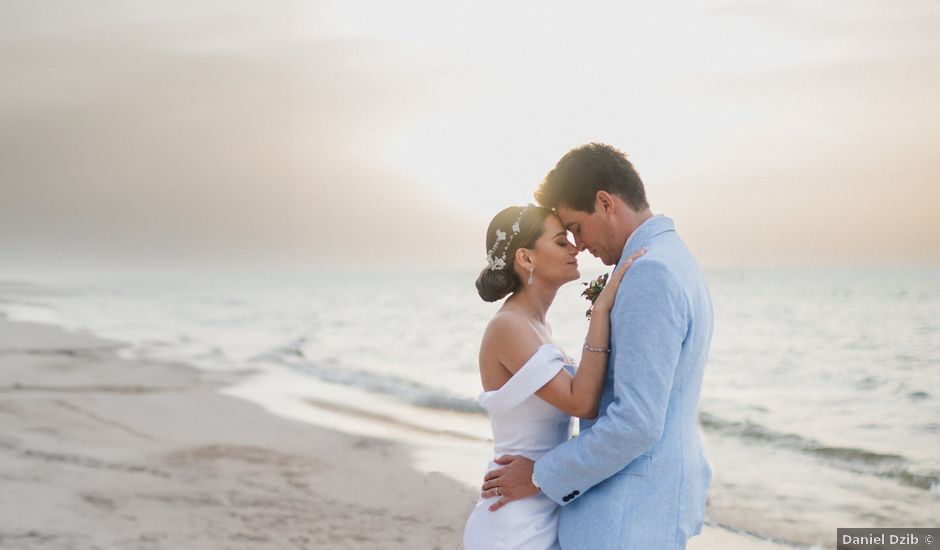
[(585, 170)]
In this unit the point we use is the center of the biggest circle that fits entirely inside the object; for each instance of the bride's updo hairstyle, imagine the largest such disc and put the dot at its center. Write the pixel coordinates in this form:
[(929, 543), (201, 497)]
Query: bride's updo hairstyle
[(514, 228)]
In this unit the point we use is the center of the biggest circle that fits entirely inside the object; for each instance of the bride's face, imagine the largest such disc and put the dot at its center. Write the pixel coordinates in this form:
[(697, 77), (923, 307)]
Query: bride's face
[(555, 257)]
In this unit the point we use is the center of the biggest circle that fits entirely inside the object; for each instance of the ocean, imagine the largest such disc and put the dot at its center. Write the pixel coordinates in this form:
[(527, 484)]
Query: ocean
[(820, 406)]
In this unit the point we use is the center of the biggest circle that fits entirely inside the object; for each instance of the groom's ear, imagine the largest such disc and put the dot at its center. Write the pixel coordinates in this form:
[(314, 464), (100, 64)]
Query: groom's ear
[(604, 202)]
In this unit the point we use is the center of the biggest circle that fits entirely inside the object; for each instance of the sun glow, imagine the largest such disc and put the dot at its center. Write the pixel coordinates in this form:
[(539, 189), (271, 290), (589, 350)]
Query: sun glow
[(314, 130)]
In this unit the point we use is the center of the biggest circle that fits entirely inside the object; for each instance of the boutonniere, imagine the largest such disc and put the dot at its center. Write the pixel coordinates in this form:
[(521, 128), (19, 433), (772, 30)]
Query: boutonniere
[(593, 290)]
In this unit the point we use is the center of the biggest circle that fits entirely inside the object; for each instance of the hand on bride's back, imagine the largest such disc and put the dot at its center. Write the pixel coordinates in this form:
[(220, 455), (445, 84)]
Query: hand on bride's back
[(605, 301)]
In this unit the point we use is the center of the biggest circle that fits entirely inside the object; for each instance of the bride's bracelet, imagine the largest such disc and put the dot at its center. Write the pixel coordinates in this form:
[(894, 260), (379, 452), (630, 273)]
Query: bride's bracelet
[(597, 350)]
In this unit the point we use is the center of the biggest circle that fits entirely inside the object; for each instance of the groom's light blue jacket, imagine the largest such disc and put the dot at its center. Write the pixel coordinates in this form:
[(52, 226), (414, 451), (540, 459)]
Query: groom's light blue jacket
[(636, 477)]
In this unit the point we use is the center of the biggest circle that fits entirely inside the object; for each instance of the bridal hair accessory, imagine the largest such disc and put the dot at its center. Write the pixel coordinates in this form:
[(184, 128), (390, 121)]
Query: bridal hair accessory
[(592, 291), (494, 263)]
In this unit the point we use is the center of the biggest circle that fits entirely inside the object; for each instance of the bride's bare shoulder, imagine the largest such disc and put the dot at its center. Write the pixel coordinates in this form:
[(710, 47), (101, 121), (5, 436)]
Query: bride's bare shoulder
[(506, 325), (509, 340)]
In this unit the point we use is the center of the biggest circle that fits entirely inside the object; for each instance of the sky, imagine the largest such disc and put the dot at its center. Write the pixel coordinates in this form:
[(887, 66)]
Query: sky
[(381, 134)]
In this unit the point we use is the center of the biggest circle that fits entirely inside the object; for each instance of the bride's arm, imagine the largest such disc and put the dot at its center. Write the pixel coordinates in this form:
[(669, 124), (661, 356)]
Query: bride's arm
[(580, 395)]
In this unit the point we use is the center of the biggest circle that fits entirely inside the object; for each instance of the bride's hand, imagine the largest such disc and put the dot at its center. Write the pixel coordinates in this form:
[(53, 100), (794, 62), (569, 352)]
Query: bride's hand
[(605, 301)]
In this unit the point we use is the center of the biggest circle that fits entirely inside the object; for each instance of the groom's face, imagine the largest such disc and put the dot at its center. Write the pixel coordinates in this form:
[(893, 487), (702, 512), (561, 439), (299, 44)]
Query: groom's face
[(591, 232)]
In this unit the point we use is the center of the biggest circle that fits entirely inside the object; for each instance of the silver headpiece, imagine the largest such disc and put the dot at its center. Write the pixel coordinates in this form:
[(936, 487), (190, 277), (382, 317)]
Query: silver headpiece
[(493, 262)]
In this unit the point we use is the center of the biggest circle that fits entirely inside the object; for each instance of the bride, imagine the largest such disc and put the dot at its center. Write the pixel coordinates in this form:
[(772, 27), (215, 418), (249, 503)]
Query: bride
[(530, 386)]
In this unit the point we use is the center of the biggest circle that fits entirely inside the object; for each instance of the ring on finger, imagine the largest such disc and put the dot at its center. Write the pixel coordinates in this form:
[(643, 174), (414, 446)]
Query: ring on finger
[(497, 491)]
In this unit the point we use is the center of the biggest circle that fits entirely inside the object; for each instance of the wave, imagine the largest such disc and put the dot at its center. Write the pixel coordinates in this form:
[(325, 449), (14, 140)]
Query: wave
[(409, 391), (856, 460)]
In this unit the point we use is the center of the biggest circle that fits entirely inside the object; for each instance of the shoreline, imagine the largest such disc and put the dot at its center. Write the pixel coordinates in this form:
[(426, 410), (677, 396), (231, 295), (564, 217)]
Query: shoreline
[(129, 453), (99, 451)]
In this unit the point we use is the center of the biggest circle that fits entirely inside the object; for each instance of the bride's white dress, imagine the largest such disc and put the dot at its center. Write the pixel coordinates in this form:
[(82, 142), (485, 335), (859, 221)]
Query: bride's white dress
[(523, 424)]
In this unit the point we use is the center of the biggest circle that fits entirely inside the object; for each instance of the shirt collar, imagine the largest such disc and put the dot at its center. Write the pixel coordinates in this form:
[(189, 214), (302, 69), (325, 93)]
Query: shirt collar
[(646, 231)]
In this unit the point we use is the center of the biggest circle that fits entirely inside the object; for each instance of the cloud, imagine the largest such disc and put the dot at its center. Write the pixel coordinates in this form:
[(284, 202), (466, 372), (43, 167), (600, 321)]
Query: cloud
[(313, 134), (152, 145)]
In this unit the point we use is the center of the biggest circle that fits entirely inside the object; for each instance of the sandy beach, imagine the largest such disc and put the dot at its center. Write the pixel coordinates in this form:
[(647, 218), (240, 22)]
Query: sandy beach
[(102, 452)]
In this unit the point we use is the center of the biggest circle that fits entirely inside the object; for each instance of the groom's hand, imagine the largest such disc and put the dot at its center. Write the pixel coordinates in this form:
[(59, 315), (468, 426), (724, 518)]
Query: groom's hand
[(511, 482)]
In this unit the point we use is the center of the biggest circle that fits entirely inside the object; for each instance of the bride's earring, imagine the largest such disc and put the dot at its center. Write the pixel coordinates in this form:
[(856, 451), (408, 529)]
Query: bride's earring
[(531, 269)]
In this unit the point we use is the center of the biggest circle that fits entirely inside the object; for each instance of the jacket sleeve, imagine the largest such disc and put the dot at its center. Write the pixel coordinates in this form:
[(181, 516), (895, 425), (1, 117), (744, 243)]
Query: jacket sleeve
[(649, 324)]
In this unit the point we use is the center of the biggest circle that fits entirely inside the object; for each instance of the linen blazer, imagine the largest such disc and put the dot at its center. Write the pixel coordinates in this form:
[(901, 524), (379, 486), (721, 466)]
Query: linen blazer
[(637, 477)]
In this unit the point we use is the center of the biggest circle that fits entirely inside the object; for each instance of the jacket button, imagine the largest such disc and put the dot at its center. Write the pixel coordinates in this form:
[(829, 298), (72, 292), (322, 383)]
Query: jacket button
[(576, 493), (566, 498)]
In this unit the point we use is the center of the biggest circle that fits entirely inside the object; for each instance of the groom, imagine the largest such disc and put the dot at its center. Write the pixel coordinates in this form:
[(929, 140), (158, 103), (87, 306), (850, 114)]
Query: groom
[(636, 477)]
